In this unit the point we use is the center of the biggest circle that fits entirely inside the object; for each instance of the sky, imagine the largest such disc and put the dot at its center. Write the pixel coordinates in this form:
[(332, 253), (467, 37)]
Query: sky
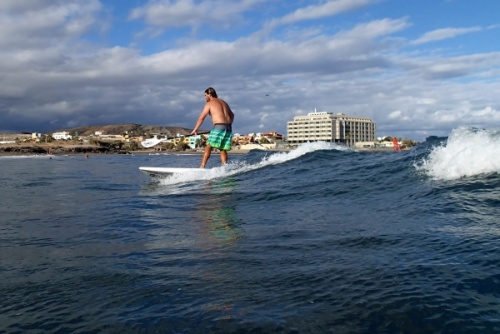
[(416, 68)]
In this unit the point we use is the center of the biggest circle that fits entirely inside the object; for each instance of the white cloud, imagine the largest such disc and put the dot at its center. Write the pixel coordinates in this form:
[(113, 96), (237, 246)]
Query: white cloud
[(453, 67), (13, 6), (53, 75), (445, 33), (328, 8), (189, 13), (46, 24), (487, 114), (372, 30)]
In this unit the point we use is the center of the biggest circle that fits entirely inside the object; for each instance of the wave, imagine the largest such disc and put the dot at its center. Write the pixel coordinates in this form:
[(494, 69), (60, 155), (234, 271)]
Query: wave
[(31, 156), (255, 160), (465, 152)]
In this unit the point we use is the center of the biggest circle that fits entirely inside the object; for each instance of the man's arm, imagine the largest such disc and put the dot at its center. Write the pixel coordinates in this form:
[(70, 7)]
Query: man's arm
[(201, 118)]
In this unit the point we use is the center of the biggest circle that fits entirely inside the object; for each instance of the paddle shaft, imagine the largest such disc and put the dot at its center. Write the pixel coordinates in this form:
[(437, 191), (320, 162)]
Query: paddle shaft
[(150, 142)]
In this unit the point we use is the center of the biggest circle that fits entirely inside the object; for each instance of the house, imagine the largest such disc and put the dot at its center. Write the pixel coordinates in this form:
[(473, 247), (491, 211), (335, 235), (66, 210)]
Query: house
[(64, 135)]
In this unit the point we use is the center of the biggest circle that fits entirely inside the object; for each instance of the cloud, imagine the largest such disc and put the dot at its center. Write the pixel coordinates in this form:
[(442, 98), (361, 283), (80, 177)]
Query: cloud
[(46, 23), (16, 6), (55, 73), (444, 33), (326, 9), (188, 13), (439, 67)]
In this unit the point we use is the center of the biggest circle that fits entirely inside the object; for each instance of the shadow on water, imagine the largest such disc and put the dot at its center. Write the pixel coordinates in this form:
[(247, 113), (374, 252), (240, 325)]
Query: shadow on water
[(217, 210), (207, 206)]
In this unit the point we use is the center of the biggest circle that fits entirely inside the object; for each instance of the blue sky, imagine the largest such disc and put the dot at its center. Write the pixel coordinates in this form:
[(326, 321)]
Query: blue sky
[(417, 68)]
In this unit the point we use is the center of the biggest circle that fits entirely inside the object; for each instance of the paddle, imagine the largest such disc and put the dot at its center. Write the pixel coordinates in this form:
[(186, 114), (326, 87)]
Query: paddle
[(155, 141), (152, 142)]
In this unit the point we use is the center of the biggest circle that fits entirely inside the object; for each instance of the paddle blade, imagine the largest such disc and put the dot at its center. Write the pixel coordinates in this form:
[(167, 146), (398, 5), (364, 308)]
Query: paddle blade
[(150, 142)]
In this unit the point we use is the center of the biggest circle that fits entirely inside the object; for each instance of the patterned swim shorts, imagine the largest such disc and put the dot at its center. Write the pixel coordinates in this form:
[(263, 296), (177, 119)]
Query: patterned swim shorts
[(221, 136)]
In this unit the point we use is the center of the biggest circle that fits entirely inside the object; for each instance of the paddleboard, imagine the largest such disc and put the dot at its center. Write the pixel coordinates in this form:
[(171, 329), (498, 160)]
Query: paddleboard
[(166, 171)]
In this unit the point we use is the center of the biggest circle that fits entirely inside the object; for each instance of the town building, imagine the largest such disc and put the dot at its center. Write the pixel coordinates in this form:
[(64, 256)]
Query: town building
[(330, 127), (64, 135), (196, 141)]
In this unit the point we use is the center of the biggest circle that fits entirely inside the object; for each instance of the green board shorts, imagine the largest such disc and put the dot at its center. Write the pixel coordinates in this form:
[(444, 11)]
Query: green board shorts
[(221, 136)]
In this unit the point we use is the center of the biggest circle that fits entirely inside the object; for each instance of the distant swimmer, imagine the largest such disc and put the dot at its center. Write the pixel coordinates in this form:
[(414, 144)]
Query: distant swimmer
[(221, 135), (396, 144)]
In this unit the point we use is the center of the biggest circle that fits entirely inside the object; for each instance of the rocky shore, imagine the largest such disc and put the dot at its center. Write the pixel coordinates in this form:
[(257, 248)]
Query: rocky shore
[(65, 148), (56, 149), (49, 148)]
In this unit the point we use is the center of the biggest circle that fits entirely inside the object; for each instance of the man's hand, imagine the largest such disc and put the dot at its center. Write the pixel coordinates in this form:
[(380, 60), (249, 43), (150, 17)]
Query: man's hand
[(193, 133)]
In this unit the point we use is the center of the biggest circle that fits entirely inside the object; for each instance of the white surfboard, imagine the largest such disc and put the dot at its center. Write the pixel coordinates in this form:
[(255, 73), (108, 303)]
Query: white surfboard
[(166, 171)]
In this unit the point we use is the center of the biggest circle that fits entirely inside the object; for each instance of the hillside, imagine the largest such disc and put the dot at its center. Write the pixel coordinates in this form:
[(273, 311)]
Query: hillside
[(118, 129)]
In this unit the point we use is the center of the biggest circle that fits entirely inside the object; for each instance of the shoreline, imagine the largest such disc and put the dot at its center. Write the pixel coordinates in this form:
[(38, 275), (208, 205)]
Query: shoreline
[(75, 149)]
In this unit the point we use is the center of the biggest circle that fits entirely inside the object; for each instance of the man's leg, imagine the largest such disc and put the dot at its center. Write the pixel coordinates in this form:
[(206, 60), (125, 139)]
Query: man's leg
[(223, 157), (206, 156)]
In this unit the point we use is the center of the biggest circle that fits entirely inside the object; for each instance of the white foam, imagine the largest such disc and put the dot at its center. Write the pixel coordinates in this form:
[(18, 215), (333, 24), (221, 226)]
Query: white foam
[(243, 167), (31, 156), (466, 152)]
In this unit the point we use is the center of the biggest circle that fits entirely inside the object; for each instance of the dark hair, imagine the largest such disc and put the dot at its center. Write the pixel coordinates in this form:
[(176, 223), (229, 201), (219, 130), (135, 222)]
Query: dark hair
[(210, 91)]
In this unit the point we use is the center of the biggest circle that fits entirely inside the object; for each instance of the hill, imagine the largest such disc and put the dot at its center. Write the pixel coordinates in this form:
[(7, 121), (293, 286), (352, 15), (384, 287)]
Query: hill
[(137, 129)]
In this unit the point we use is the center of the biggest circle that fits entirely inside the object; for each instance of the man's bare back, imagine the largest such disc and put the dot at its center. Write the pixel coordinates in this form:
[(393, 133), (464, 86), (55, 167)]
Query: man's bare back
[(220, 111)]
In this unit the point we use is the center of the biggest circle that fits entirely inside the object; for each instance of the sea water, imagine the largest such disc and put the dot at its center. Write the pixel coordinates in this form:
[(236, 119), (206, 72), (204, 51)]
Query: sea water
[(321, 239)]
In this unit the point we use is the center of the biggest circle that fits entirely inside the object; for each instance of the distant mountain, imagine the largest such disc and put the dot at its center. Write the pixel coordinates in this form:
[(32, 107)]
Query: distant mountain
[(135, 129)]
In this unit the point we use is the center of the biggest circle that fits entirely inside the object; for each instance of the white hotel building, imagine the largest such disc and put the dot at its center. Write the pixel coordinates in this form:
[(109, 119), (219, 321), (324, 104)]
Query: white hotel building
[(330, 127), (64, 135)]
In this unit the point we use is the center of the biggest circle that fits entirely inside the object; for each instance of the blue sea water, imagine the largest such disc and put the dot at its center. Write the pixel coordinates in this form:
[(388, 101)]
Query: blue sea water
[(321, 239)]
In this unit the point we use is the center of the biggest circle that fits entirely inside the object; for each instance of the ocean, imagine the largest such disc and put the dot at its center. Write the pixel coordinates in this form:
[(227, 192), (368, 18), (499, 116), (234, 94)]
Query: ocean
[(320, 239)]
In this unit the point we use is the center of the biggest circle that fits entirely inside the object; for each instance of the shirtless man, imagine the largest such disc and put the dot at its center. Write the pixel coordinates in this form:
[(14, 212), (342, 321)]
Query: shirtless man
[(221, 134)]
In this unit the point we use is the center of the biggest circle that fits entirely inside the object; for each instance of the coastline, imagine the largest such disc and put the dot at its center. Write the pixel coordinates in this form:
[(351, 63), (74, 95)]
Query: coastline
[(85, 149), (57, 148)]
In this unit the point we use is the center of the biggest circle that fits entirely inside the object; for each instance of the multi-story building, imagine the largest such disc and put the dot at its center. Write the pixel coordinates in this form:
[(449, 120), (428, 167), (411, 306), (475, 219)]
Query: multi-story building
[(330, 127)]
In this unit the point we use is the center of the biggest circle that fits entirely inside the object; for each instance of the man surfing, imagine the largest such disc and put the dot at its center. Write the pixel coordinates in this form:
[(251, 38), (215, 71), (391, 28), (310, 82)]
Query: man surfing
[(221, 135)]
